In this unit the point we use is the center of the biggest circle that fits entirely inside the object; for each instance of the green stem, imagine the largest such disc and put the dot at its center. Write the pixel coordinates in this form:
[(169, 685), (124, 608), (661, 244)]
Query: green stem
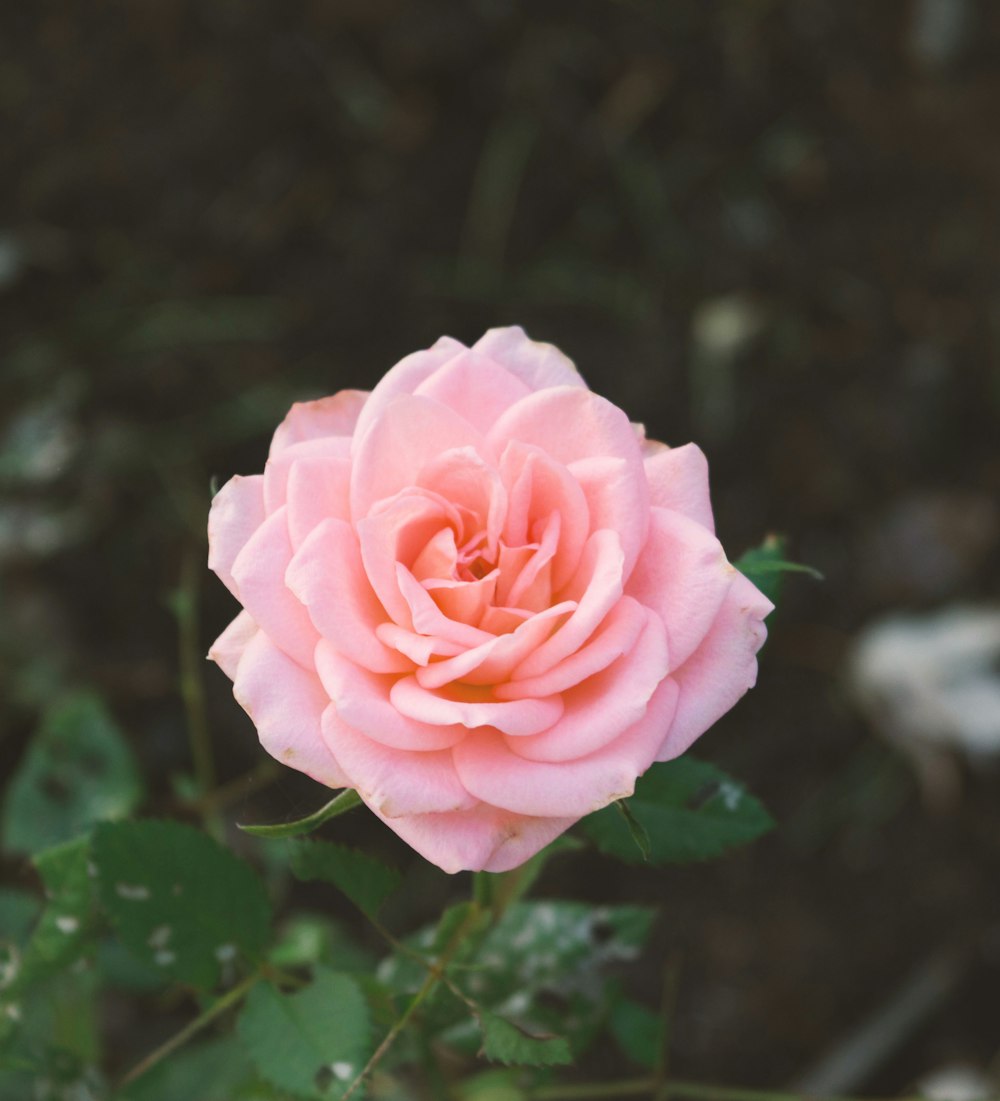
[(435, 976), (224, 1002), (191, 661)]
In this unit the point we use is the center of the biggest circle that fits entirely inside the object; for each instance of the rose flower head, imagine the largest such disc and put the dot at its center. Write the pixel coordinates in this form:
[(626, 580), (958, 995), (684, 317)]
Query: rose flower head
[(480, 597)]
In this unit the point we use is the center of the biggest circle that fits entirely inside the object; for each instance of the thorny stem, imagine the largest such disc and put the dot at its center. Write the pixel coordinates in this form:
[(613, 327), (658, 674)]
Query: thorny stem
[(435, 975), (224, 1002)]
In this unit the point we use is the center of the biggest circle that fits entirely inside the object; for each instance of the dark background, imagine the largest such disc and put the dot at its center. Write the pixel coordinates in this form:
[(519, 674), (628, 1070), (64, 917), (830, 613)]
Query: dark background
[(767, 226)]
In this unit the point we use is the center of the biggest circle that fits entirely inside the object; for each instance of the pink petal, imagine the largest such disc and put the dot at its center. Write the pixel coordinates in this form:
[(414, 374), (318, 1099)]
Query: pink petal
[(491, 662), (479, 839), (569, 424), (474, 386), (327, 576), (406, 437), (618, 498), (465, 601), (678, 480), (427, 617), (518, 717), (616, 636), (278, 468), (461, 477), (318, 489), (259, 572), (362, 701), (597, 587), (336, 415), (722, 668), (683, 575), (395, 782), (539, 487), (538, 365), (418, 648), (237, 512), (228, 648), (404, 378), (605, 705), (396, 532), (286, 704), (490, 770)]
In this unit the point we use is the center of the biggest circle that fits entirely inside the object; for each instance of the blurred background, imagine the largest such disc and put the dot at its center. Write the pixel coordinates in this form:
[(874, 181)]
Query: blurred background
[(766, 225)]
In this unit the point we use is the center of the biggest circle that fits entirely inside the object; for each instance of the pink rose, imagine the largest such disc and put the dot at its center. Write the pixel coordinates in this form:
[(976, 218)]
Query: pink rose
[(480, 597)]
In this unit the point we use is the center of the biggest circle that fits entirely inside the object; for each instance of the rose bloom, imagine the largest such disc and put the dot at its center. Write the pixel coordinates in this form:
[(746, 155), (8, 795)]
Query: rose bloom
[(480, 597)]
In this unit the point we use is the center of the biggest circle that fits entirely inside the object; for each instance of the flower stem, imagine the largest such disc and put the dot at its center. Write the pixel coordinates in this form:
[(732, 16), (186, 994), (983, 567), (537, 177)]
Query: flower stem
[(216, 1009)]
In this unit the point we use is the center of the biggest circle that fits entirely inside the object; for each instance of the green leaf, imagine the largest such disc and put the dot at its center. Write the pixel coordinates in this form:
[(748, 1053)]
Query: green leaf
[(639, 1032), (212, 1071), (312, 1043), (764, 566), (491, 1085), (340, 804), (367, 882), (18, 911), (504, 1042), (690, 810), (65, 928), (181, 902), (78, 770)]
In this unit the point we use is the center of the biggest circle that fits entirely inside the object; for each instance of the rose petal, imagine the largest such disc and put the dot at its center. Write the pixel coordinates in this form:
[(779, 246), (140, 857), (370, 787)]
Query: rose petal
[(537, 364), (286, 703), (616, 636), (336, 415), (427, 617), (461, 477), (327, 576), (683, 575), (597, 587), (318, 490), (418, 648), (259, 572), (569, 424), (518, 717), (408, 435), (228, 648), (278, 468), (404, 378), (678, 480), (606, 704), (489, 769), (394, 782), (539, 487), (492, 662), (474, 386), (617, 500), (479, 839), (722, 668), (362, 701), (237, 512)]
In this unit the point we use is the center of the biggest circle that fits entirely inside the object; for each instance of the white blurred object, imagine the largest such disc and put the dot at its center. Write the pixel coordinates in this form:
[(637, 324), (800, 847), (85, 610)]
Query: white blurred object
[(956, 1083), (931, 683)]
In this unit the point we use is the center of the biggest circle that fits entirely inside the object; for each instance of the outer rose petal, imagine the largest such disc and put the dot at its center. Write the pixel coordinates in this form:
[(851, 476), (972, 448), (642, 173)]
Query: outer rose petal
[(237, 512), (475, 387), (228, 648), (278, 468), (722, 668), (483, 839), (309, 420), (393, 781), (410, 433), (286, 704), (678, 480), (491, 771), (683, 575), (404, 378), (317, 489), (259, 571), (537, 364)]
